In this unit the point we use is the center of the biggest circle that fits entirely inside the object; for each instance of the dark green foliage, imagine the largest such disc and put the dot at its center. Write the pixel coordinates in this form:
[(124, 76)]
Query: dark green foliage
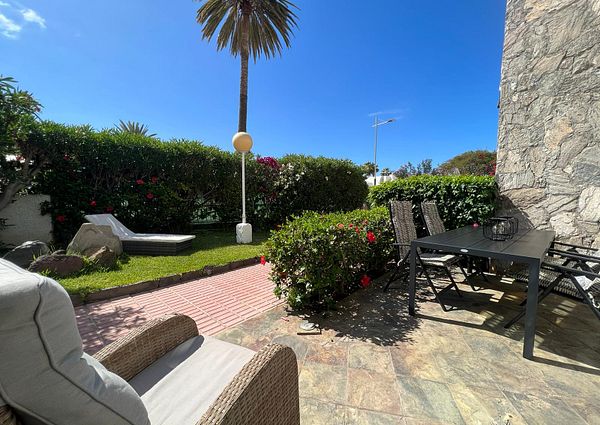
[(157, 186), (317, 258), (461, 200), (478, 163), (149, 184)]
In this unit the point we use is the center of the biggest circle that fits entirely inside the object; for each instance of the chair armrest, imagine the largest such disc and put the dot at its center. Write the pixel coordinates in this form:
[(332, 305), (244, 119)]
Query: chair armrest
[(400, 244), (589, 248), (265, 391), (7, 416), (141, 347), (571, 271), (574, 256)]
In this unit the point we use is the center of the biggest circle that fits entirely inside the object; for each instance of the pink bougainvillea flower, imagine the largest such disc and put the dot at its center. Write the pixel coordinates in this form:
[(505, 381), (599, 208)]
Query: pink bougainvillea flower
[(263, 260), (109, 209), (357, 229), (139, 182), (93, 203), (150, 195), (154, 179), (61, 218), (67, 157), (371, 237), (475, 225), (340, 225), (365, 281)]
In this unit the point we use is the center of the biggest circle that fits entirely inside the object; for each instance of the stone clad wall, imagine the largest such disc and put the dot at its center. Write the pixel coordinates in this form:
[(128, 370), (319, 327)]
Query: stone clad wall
[(25, 221), (549, 128)]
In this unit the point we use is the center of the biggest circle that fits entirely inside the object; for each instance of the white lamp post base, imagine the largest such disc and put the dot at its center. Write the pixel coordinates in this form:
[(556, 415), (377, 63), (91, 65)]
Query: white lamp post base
[(243, 233)]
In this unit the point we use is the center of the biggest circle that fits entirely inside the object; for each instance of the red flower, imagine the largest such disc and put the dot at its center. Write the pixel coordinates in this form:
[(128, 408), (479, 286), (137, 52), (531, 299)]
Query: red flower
[(139, 182), (365, 281), (61, 218), (150, 195), (263, 260), (92, 203), (475, 225), (371, 237), (357, 230), (109, 209), (154, 179), (67, 157), (340, 226), (351, 225)]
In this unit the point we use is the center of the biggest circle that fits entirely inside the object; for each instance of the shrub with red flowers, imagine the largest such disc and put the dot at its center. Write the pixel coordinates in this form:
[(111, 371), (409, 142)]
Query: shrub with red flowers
[(319, 258)]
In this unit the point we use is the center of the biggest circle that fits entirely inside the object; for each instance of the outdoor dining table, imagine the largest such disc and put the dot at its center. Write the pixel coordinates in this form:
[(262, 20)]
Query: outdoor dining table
[(528, 246)]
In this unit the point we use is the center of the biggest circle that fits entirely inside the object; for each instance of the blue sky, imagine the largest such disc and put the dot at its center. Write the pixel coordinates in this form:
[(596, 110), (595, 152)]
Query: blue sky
[(435, 65)]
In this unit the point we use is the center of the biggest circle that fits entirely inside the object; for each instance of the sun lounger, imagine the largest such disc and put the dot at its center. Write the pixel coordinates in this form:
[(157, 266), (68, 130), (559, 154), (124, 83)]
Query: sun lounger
[(143, 243)]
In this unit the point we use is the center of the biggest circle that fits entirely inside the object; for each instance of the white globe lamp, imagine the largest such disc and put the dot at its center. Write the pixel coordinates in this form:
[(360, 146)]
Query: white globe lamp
[(242, 142)]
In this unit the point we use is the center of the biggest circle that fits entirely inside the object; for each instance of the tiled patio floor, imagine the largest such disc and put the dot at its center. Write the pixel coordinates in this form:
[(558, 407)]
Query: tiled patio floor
[(374, 364), (214, 302)]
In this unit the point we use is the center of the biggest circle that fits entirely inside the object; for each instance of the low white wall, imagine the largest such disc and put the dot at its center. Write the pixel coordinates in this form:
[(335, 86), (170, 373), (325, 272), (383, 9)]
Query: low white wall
[(25, 221)]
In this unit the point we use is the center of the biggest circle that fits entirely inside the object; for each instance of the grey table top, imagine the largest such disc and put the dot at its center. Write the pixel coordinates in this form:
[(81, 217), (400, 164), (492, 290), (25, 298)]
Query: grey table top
[(526, 246)]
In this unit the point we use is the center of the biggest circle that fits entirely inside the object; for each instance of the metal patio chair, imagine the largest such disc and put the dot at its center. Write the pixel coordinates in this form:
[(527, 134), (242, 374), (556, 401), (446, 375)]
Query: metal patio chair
[(435, 225), (569, 271), (404, 230)]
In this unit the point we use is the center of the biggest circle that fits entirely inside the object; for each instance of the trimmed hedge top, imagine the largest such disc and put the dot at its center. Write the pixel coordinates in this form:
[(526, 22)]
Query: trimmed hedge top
[(461, 200)]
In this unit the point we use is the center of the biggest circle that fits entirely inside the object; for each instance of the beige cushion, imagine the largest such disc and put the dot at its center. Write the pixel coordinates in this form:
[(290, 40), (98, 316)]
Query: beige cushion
[(181, 385), (437, 258), (44, 374)]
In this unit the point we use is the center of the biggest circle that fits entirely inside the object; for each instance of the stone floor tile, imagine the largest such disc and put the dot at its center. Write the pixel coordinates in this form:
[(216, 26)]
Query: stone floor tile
[(463, 370), (484, 405), (316, 412), (425, 399), (536, 410), (370, 357), (373, 390), (369, 417), (328, 352), (323, 382), (413, 359)]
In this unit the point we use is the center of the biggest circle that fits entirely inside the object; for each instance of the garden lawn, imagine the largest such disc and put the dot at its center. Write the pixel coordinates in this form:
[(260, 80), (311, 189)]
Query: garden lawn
[(210, 248)]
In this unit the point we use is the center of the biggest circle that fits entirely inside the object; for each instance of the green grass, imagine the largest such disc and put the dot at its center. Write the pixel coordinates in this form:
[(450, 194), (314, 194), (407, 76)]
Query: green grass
[(210, 248)]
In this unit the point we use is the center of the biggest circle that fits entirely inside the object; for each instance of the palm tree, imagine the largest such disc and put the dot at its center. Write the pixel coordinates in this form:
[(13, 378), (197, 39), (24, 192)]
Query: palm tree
[(133, 128), (256, 27)]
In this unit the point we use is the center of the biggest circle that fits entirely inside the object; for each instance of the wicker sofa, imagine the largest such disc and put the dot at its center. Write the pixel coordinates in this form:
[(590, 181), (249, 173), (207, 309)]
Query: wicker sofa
[(261, 389)]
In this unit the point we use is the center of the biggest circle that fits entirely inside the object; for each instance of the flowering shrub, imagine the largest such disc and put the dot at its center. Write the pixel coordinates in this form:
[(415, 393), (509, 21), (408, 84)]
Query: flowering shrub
[(461, 200), (317, 258)]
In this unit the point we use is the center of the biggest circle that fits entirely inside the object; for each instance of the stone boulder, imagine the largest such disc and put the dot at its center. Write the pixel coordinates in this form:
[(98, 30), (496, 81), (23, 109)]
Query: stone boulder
[(60, 265), (91, 237), (104, 257), (24, 254)]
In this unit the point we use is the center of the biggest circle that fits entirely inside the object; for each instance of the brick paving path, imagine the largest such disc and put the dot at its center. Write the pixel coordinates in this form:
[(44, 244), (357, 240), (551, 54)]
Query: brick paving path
[(215, 303)]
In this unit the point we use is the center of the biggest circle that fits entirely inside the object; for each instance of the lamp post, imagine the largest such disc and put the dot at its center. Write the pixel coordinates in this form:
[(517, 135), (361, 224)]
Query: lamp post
[(376, 125), (242, 142)]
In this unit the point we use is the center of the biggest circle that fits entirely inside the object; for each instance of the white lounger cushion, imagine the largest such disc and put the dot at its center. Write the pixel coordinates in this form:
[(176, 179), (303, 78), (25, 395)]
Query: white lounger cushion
[(125, 234), (181, 386)]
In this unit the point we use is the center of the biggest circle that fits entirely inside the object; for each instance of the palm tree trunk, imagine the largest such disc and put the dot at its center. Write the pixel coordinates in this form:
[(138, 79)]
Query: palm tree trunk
[(243, 111)]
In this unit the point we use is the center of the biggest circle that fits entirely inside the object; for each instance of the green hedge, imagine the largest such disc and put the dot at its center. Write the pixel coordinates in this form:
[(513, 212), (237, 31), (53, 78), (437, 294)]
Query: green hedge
[(461, 200), (317, 259), (163, 186)]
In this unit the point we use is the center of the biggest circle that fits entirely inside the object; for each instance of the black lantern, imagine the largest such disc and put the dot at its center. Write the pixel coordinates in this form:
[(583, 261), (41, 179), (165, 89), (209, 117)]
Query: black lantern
[(500, 228)]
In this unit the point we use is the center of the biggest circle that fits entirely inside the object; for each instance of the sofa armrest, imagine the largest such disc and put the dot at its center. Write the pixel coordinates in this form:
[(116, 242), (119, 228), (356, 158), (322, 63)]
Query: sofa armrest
[(7, 417), (141, 347), (265, 391)]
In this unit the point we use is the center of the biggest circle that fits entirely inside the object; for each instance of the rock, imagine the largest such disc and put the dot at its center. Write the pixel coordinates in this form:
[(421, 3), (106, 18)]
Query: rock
[(90, 238), (104, 257), (57, 265), (24, 254), (59, 252), (589, 204)]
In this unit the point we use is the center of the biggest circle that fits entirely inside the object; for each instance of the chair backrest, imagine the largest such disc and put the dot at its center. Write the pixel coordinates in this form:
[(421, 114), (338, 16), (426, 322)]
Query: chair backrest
[(45, 377), (431, 216), (118, 228), (404, 226)]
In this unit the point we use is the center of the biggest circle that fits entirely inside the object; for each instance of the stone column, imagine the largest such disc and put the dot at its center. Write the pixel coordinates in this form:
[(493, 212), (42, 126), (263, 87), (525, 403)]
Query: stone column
[(549, 127)]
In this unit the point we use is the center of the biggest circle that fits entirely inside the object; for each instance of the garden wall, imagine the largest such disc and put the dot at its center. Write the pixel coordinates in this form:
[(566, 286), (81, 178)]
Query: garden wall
[(549, 128), (25, 222)]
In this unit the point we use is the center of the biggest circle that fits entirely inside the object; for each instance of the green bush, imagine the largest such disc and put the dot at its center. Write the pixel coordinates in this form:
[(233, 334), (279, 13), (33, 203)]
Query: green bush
[(158, 186), (317, 259), (461, 200), (149, 184)]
